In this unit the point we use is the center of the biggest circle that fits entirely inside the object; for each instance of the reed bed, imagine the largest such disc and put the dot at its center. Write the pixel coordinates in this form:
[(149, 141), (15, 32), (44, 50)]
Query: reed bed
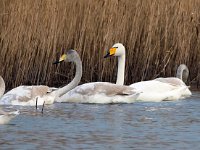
[(158, 36)]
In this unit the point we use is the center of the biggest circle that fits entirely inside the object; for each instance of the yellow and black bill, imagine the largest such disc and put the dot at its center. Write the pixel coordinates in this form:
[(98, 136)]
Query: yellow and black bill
[(111, 52), (61, 59)]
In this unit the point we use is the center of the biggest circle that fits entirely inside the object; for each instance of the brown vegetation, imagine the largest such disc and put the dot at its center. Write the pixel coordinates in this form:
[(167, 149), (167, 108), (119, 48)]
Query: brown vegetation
[(158, 36)]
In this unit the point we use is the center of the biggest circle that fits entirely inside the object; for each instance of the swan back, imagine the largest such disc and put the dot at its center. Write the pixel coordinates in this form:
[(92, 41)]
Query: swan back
[(172, 81), (100, 92), (2, 86), (182, 72), (42, 90), (106, 88), (21, 95)]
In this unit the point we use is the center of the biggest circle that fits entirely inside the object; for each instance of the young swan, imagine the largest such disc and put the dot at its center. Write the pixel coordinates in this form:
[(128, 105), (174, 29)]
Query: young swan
[(94, 92), (153, 90), (27, 96), (5, 117)]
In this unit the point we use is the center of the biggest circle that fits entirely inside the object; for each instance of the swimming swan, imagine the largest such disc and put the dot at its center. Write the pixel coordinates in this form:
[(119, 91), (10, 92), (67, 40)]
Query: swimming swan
[(26, 95), (94, 92), (153, 90), (41, 95), (6, 117)]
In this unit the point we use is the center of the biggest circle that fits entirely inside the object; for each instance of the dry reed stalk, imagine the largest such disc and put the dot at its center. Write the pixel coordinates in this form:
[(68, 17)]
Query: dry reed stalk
[(158, 36)]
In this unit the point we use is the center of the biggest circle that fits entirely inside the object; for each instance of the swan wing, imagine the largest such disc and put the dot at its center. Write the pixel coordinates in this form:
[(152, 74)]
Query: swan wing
[(177, 83), (100, 92), (20, 93), (152, 86), (39, 90), (159, 90), (106, 88), (171, 80)]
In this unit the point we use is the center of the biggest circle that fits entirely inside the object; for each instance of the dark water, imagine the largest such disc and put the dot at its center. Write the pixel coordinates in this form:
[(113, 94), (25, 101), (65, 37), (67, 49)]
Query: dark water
[(141, 125)]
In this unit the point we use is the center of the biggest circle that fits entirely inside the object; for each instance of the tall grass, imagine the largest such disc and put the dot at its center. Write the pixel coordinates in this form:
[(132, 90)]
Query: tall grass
[(158, 36)]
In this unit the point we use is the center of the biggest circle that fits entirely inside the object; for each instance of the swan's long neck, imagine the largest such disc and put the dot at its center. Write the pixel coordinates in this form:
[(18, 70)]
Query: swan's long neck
[(2, 86), (75, 81), (121, 69), (182, 72)]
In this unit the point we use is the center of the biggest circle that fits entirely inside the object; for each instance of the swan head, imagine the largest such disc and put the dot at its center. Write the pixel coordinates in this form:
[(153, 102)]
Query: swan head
[(117, 49), (69, 56)]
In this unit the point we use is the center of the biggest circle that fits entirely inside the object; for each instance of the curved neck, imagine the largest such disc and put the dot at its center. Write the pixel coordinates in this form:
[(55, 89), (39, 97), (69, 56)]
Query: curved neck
[(121, 69), (2, 86), (182, 73), (75, 81)]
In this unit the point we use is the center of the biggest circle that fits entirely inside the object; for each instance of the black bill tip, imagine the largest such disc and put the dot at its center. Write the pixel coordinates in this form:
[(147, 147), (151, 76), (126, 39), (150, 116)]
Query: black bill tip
[(57, 62), (107, 55)]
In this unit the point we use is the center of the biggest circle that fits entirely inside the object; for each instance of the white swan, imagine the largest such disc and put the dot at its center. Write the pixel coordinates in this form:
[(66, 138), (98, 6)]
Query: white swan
[(95, 92), (26, 95), (6, 117), (154, 90)]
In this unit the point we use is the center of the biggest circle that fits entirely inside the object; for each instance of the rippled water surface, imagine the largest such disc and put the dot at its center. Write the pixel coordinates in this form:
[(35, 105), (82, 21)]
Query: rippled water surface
[(141, 125)]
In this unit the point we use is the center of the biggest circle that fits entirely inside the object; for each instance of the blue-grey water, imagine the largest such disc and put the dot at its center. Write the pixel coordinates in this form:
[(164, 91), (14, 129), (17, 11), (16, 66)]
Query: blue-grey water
[(141, 125)]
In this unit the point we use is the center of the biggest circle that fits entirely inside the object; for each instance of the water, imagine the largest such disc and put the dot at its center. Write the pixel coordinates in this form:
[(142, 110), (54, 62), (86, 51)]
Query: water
[(141, 125)]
